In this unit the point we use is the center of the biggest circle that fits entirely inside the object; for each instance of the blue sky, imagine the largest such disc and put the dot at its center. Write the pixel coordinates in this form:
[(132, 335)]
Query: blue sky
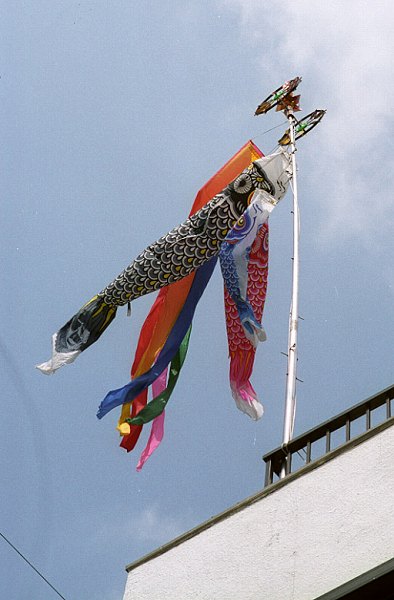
[(113, 116)]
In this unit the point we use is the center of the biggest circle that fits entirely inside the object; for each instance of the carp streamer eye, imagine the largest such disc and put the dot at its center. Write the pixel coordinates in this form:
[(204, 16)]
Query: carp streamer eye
[(243, 184)]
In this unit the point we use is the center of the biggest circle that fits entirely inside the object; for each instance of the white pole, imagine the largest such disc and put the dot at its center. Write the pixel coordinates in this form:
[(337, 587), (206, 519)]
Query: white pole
[(290, 404)]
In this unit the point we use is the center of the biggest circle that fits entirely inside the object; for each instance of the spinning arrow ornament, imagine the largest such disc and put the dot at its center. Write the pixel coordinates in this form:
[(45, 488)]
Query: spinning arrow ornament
[(281, 98), (302, 127)]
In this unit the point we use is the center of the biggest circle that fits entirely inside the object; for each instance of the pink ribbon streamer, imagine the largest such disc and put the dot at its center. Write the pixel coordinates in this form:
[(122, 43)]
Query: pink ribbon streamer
[(157, 429)]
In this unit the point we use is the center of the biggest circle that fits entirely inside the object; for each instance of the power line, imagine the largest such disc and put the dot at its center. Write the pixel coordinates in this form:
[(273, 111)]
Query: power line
[(32, 566)]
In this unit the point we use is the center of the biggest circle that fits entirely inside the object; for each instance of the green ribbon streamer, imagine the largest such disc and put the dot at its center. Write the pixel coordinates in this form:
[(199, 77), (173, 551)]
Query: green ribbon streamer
[(155, 407)]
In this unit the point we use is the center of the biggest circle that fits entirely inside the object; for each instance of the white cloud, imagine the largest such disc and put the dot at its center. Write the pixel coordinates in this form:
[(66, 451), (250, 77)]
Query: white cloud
[(343, 50), (147, 526), (151, 526)]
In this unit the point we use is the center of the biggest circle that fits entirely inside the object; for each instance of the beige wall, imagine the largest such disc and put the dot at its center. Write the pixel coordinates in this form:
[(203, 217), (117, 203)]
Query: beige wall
[(308, 537)]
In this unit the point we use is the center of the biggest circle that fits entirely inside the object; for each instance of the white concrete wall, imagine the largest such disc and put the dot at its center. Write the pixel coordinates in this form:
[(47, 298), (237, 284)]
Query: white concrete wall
[(306, 538)]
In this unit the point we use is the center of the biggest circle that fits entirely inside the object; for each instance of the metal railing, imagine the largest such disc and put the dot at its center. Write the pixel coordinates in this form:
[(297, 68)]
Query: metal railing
[(330, 435)]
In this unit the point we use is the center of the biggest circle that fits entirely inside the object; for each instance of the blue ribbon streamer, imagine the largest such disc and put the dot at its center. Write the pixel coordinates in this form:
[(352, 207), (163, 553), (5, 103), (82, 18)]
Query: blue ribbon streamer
[(131, 390)]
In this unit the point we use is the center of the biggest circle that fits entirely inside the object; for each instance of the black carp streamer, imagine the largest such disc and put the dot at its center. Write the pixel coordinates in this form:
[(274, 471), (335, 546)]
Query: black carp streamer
[(171, 258)]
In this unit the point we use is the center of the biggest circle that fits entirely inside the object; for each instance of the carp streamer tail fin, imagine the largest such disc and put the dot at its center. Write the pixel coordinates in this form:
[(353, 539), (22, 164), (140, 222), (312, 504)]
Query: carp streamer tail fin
[(82, 330)]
